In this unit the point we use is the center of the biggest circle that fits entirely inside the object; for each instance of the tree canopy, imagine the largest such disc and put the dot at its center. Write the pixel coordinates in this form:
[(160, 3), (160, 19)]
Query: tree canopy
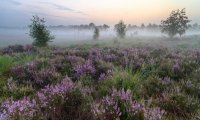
[(121, 29), (176, 23), (39, 32)]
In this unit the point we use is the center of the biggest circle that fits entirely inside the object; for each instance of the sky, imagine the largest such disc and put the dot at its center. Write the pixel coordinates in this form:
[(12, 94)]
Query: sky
[(16, 13)]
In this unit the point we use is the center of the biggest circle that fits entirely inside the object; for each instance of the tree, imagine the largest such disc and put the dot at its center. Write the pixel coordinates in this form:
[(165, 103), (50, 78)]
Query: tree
[(92, 25), (96, 33), (39, 32), (142, 26), (105, 26), (176, 23), (121, 29)]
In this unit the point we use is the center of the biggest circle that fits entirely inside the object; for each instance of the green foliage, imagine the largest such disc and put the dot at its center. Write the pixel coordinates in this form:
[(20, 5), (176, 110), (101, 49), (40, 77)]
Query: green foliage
[(21, 92), (179, 105), (152, 86), (6, 62), (87, 81), (3, 89), (39, 32), (121, 29), (121, 80), (177, 23)]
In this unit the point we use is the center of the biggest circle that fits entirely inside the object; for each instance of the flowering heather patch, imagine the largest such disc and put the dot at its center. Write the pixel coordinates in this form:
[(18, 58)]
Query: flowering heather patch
[(34, 75), (45, 77), (107, 109), (165, 84), (121, 105), (74, 60), (85, 69), (103, 70), (3, 116), (154, 114), (19, 49), (21, 109), (63, 100), (95, 54), (59, 92), (110, 58)]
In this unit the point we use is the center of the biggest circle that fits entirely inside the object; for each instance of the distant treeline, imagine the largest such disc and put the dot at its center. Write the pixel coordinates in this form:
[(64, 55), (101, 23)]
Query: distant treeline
[(151, 26), (82, 26)]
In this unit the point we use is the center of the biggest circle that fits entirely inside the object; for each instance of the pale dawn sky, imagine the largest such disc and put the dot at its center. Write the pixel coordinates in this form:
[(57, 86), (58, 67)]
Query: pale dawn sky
[(66, 12)]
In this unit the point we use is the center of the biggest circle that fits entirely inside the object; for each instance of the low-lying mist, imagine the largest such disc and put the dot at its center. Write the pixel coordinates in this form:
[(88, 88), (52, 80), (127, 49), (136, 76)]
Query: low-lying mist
[(12, 36)]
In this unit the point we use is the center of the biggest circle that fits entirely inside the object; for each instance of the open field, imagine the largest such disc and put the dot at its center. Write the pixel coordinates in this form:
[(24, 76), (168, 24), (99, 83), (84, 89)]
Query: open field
[(130, 79)]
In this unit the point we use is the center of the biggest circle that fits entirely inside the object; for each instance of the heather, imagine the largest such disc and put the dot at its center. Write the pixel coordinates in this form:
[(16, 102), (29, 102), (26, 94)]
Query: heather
[(97, 83)]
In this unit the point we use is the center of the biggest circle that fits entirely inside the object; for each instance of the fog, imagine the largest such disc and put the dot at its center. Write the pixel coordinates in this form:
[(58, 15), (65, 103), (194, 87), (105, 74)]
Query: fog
[(12, 36)]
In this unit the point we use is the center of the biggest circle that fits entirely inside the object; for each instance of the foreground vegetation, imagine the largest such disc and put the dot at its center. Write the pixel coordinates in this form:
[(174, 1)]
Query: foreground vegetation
[(138, 83)]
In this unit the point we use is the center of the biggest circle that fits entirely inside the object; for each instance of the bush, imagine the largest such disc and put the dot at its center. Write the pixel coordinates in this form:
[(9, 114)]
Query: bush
[(179, 105), (121, 105), (35, 74)]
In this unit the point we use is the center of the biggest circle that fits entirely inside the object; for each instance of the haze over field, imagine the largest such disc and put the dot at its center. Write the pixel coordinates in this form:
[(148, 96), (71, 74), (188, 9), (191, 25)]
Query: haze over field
[(16, 15)]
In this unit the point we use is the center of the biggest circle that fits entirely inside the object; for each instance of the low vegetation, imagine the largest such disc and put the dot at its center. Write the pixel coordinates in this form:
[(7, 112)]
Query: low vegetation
[(138, 83)]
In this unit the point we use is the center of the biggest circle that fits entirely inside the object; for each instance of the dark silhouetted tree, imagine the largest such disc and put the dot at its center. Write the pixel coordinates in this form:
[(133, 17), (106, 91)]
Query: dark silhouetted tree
[(96, 33), (39, 32), (176, 23), (105, 26), (142, 26), (121, 29), (91, 25)]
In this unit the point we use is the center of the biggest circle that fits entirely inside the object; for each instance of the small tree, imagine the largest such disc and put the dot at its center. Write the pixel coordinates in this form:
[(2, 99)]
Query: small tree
[(142, 26), (176, 23), (96, 33), (39, 32), (121, 29)]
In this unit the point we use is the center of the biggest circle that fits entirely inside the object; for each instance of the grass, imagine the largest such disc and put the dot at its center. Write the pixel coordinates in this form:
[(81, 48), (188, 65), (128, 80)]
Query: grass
[(6, 62), (137, 41)]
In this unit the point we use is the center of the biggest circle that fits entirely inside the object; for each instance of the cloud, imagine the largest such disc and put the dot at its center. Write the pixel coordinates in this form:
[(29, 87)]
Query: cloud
[(44, 14), (61, 7), (12, 2)]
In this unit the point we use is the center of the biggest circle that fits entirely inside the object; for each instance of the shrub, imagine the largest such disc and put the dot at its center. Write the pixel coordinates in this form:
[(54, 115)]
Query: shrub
[(85, 69), (120, 105), (178, 105), (19, 110), (35, 74), (154, 86), (63, 101)]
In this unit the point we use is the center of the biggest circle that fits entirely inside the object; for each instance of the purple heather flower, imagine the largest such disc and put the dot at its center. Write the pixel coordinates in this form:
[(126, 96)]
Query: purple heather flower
[(166, 81), (154, 114), (86, 68), (3, 116), (50, 92), (95, 54), (24, 108)]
